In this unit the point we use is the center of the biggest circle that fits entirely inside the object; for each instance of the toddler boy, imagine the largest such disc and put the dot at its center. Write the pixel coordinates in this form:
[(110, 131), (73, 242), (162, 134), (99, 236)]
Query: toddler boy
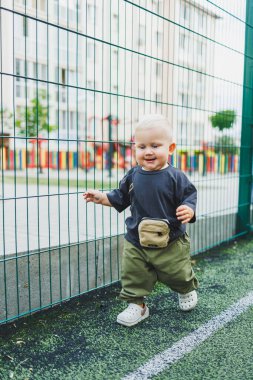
[(162, 200)]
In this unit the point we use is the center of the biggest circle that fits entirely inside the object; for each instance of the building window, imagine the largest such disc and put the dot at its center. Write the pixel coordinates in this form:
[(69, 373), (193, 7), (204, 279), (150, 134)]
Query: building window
[(198, 101), (72, 116), (25, 27), (200, 48), (43, 71), (200, 82), (183, 99), (159, 39), (142, 35), (158, 69), (63, 120), (115, 55), (91, 13), (141, 63), (158, 97), (39, 71), (18, 69), (18, 91), (19, 81), (115, 88), (201, 19), (183, 41), (185, 12), (90, 84), (63, 76), (115, 21), (63, 94), (155, 5)]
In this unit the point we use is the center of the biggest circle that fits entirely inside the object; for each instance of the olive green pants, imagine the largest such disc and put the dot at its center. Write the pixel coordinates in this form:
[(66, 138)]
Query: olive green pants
[(142, 268)]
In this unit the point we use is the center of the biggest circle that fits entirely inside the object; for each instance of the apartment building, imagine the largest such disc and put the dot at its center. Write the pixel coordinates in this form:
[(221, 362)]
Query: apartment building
[(193, 71), (92, 59)]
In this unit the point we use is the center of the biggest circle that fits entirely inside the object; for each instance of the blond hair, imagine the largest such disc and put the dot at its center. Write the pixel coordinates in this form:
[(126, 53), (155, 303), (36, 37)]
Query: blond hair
[(155, 121)]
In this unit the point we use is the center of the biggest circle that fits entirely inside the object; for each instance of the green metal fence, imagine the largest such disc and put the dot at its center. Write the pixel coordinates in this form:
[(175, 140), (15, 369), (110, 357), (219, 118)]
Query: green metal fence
[(75, 78)]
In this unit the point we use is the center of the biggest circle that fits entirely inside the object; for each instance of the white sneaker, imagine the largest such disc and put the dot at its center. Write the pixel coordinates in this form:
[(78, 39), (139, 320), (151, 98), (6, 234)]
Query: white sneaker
[(133, 314), (187, 301)]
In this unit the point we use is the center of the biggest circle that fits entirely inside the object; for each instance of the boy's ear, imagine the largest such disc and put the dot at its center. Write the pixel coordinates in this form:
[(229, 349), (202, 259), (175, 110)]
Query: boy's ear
[(172, 147)]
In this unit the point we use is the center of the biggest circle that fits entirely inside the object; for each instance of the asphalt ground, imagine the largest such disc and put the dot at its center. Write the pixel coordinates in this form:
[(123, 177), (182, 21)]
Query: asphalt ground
[(81, 339)]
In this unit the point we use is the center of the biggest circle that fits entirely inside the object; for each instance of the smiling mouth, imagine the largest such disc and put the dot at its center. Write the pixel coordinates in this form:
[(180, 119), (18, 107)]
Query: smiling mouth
[(150, 159)]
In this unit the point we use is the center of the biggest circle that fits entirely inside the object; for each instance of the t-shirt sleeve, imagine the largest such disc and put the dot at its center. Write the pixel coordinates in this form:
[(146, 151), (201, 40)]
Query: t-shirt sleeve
[(188, 195), (119, 198)]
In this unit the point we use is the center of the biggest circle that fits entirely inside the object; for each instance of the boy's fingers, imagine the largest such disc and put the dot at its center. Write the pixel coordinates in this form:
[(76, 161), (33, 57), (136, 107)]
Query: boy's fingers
[(180, 213), (92, 196), (87, 196), (89, 193), (184, 214), (180, 208)]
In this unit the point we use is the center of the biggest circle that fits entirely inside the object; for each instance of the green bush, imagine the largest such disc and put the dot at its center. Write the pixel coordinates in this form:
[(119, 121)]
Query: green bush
[(226, 145)]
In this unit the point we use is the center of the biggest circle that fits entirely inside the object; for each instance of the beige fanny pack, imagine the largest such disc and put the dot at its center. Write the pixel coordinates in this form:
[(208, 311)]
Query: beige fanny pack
[(154, 233)]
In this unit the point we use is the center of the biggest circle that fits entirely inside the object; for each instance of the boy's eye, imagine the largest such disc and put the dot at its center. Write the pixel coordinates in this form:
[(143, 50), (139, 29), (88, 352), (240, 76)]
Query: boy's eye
[(154, 146)]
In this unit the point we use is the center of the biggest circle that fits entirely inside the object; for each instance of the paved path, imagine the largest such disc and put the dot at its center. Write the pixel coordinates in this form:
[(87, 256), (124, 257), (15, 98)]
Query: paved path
[(39, 217)]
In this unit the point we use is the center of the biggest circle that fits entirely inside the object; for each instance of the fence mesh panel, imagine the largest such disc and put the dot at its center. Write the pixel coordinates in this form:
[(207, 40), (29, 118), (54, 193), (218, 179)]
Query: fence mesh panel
[(75, 77)]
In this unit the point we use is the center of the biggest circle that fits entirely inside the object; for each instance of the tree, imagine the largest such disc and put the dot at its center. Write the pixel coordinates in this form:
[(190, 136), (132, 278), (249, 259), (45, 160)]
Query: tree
[(223, 119), (225, 145), (5, 118), (34, 120), (5, 127)]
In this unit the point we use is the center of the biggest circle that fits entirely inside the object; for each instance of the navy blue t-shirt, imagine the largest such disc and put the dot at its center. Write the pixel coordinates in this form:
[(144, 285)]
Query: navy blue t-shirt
[(153, 194)]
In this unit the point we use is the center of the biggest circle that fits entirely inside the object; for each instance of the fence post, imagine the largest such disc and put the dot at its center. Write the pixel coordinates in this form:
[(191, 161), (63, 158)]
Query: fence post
[(245, 173)]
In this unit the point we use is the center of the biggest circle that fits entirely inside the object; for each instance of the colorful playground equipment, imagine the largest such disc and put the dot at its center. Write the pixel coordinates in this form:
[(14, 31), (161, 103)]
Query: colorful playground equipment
[(188, 161)]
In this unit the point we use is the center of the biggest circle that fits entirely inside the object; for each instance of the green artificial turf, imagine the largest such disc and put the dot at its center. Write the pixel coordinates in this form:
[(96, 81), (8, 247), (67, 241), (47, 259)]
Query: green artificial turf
[(81, 339), (225, 355)]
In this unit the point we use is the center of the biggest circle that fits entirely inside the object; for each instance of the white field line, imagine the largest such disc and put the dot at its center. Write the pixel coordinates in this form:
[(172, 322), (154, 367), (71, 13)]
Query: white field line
[(162, 361)]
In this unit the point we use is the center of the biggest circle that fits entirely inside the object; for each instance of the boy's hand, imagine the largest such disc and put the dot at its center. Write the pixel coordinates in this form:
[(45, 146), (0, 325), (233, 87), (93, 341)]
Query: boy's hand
[(184, 214), (94, 196)]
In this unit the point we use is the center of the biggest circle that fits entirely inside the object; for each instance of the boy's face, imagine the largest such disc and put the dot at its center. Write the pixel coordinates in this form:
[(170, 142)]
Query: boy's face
[(152, 148)]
